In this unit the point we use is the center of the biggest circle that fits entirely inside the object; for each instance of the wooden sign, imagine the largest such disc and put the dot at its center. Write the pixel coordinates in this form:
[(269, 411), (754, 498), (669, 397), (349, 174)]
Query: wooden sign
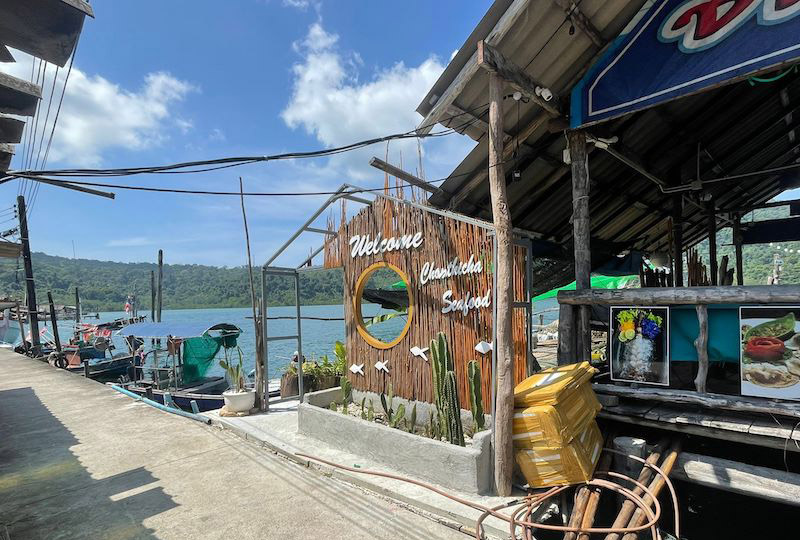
[(446, 267)]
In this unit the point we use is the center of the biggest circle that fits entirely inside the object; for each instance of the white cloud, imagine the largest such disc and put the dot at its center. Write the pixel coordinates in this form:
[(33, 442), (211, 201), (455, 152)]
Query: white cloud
[(330, 102), (299, 4), (134, 241), (98, 115), (217, 135)]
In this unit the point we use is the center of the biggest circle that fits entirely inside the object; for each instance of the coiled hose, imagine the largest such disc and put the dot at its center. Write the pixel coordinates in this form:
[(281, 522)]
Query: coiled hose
[(522, 509)]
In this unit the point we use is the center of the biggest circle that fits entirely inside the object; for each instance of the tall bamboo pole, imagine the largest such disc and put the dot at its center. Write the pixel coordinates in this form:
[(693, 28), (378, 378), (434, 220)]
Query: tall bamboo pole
[(261, 396), (504, 347)]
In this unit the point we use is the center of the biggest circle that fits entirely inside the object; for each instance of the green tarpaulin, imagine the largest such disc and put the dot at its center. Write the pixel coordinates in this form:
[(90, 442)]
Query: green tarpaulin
[(598, 282)]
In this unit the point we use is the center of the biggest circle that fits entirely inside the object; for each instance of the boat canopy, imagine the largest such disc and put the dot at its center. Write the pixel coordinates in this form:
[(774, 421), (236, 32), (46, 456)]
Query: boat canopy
[(183, 330)]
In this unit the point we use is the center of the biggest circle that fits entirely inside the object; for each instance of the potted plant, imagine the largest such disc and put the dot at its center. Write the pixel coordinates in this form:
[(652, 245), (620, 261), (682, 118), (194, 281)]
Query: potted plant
[(289, 386), (237, 398)]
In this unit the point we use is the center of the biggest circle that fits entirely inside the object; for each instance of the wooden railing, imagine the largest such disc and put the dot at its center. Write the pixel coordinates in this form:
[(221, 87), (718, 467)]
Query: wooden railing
[(700, 297)]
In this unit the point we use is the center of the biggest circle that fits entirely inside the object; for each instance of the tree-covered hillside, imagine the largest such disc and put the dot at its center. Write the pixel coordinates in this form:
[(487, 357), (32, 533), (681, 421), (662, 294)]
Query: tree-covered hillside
[(104, 286), (758, 258)]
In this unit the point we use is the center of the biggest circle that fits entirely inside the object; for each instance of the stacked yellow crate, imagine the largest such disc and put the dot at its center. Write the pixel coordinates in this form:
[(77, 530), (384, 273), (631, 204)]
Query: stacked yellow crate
[(556, 438)]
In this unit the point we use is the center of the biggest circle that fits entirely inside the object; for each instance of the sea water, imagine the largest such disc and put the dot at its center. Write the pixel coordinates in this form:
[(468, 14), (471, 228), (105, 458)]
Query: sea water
[(319, 336)]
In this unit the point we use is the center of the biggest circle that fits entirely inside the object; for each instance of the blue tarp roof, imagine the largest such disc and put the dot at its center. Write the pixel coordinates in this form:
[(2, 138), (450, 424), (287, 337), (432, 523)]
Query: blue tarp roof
[(175, 329)]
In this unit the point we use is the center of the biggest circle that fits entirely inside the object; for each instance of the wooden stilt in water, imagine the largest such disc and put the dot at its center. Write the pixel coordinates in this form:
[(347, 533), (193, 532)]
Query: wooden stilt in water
[(53, 321)]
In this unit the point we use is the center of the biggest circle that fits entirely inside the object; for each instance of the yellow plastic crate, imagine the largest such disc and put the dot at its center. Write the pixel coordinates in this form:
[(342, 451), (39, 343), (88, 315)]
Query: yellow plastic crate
[(550, 386), (555, 425), (562, 465)]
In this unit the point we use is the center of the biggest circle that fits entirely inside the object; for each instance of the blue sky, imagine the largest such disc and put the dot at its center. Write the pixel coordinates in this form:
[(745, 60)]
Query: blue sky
[(163, 82)]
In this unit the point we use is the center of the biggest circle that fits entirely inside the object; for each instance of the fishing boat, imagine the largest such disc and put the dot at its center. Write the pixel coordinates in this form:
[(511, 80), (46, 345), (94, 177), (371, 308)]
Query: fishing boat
[(174, 369)]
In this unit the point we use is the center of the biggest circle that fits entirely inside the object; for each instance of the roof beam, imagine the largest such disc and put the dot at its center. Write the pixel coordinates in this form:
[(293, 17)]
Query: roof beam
[(18, 96), (6, 153), (458, 84), (581, 21), (459, 117), (10, 129), (508, 149), (5, 54), (493, 61), (46, 29), (403, 175)]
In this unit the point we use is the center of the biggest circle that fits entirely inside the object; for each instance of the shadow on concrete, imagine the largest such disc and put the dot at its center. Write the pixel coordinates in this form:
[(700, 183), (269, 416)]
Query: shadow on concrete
[(45, 492)]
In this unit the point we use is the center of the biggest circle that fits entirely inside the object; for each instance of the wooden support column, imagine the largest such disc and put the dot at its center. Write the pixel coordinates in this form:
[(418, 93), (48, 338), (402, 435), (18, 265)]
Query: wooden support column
[(701, 344), (737, 243), (712, 243), (580, 227), (677, 238), (30, 289), (503, 349), (566, 334)]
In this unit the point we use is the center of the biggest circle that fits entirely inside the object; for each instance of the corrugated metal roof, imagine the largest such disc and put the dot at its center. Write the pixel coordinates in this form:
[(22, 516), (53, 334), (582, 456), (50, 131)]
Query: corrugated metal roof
[(739, 128)]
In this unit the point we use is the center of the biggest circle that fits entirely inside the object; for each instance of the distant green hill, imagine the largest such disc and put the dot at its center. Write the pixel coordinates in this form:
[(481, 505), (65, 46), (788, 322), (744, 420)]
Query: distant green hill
[(758, 258), (105, 285)]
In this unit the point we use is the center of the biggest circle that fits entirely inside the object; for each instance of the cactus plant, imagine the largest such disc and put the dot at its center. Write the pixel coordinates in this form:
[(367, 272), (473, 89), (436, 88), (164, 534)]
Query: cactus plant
[(475, 396), (445, 391), (347, 390), (398, 416), (363, 410), (386, 403), (413, 420), (334, 406), (371, 412), (455, 431)]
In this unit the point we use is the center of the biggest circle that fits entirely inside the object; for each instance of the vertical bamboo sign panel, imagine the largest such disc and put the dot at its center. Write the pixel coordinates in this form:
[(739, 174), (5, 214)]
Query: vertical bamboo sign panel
[(432, 242)]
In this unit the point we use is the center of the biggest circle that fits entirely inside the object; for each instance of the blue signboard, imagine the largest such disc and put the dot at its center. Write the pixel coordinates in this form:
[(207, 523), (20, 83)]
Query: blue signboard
[(680, 47)]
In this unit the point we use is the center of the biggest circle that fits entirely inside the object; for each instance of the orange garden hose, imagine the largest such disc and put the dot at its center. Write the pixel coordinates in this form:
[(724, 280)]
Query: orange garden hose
[(524, 508)]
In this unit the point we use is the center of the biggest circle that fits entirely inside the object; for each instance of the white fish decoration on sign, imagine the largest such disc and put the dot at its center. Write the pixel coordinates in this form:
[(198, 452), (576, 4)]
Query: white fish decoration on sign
[(416, 351), (483, 347), (357, 368), (381, 366)]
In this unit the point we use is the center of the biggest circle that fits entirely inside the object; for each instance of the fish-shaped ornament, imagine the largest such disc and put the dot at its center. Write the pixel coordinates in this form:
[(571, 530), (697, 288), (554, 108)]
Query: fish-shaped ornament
[(381, 366), (483, 347), (416, 351), (357, 368)]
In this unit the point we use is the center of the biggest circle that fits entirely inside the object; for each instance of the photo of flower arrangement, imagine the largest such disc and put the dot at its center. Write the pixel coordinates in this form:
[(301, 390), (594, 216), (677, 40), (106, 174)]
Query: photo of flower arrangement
[(639, 345)]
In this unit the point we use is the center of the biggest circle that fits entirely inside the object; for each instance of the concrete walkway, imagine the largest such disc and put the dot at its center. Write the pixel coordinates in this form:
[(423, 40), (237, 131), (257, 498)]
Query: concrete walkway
[(79, 460), (277, 431)]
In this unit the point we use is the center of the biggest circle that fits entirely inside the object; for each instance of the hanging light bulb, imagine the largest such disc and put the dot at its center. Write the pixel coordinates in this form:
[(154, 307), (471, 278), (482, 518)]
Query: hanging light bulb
[(572, 29)]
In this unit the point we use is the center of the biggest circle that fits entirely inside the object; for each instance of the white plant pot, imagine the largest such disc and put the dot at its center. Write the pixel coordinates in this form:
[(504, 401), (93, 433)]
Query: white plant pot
[(239, 401)]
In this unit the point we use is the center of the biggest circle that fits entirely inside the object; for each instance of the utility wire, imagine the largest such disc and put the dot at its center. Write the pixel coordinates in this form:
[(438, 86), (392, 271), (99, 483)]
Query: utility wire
[(215, 164)]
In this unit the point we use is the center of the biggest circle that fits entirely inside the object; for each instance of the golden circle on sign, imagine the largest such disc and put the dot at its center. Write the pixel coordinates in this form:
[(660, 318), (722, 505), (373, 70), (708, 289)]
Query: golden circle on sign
[(360, 285)]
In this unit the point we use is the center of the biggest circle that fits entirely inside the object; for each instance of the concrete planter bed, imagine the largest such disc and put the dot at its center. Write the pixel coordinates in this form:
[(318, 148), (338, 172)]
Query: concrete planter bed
[(451, 466)]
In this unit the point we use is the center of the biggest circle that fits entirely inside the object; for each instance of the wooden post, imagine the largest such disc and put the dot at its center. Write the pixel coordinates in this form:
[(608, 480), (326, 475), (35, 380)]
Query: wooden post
[(566, 334), (54, 321), (677, 238), (22, 328), (504, 349), (581, 232), (737, 243), (77, 306), (86, 368), (160, 281), (712, 242), (701, 344), (33, 314), (152, 296)]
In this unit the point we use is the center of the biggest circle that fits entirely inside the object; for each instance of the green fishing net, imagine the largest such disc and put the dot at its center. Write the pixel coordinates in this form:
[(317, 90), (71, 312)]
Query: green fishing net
[(199, 353)]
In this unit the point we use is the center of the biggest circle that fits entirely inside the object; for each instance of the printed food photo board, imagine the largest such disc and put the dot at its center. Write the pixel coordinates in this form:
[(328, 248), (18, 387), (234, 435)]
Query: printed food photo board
[(770, 351), (639, 345)]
